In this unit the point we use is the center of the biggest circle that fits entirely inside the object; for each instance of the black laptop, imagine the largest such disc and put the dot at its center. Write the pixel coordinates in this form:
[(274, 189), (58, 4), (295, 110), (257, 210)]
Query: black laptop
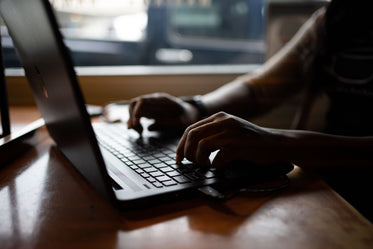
[(124, 169)]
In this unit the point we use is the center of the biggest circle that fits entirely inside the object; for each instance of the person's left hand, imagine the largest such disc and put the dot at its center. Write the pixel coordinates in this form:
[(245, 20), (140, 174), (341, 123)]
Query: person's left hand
[(235, 138), (168, 112)]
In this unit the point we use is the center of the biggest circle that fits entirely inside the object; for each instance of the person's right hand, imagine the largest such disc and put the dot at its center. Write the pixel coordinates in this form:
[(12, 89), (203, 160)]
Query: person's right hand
[(168, 112), (233, 138)]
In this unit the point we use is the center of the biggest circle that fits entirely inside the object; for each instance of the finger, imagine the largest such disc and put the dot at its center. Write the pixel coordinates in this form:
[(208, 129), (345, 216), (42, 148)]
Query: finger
[(202, 138), (180, 152), (208, 145), (130, 113), (181, 145), (214, 124), (141, 107), (134, 119), (158, 105)]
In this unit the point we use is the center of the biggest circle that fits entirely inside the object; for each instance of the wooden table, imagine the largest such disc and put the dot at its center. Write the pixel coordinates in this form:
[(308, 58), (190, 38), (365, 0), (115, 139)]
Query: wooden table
[(46, 204)]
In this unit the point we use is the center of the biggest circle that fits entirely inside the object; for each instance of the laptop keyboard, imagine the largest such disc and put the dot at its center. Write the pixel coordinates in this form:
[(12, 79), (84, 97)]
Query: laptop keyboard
[(153, 160)]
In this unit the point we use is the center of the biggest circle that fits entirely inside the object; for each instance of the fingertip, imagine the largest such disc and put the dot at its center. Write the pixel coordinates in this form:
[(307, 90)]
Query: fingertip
[(138, 128), (179, 158), (179, 148)]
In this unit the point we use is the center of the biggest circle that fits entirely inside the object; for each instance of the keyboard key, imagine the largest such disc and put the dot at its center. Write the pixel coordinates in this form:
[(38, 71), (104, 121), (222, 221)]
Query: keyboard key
[(143, 165), (166, 169), (173, 173), (163, 178), (170, 162), (157, 184), (148, 158), (151, 179), (139, 161), (181, 179), (150, 170), (209, 174), (139, 171), (145, 175), (184, 170), (160, 165), (156, 174), (134, 167), (158, 155), (169, 183), (152, 161), (164, 158), (194, 176)]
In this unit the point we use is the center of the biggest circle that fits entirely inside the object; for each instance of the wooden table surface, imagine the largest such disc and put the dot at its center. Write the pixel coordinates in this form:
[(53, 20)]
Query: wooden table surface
[(46, 204)]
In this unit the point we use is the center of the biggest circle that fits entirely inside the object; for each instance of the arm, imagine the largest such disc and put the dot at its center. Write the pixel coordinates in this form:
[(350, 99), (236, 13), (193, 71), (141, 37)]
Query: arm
[(246, 96), (238, 139), (314, 150), (280, 77)]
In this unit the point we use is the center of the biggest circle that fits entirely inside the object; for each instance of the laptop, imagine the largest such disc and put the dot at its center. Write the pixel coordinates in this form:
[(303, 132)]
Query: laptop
[(121, 175)]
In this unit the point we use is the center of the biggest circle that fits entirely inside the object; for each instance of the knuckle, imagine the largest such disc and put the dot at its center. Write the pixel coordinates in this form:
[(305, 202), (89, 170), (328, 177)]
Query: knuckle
[(225, 117), (229, 120), (203, 144), (187, 130), (133, 103), (220, 114), (193, 134)]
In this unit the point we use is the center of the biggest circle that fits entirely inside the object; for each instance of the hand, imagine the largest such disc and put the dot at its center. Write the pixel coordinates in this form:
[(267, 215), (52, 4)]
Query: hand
[(235, 138), (168, 112)]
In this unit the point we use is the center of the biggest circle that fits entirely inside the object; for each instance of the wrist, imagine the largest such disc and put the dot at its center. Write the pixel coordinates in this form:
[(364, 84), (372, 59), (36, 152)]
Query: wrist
[(282, 143), (197, 103)]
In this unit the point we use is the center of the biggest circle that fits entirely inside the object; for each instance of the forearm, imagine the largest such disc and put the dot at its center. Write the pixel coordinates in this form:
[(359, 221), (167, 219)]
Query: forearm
[(255, 93), (315, 151), (280, 77), (234, 98)]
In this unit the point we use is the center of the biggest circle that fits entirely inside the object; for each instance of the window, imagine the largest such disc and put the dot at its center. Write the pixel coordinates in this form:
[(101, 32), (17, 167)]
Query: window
[(158, 32), (211, 32)]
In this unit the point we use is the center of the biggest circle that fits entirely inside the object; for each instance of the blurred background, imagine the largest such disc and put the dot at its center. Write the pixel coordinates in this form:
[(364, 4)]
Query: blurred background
[(173, 32)]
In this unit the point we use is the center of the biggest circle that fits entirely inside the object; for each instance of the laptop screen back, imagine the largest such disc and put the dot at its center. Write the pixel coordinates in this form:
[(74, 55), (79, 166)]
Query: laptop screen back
[(48, 67)]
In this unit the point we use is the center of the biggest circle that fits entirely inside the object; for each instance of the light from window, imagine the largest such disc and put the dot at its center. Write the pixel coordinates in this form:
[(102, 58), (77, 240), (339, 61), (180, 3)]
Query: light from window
[(158, 32)]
